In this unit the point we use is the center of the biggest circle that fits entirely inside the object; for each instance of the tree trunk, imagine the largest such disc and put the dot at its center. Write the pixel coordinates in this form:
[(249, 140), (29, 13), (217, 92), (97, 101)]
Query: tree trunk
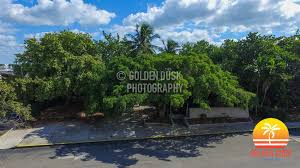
[(68, 100), (162, 111), (257, 91), (266, 87), (265, 93)]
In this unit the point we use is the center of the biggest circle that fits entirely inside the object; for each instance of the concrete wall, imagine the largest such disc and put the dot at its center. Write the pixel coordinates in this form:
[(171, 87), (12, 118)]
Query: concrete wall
[(219, 112)]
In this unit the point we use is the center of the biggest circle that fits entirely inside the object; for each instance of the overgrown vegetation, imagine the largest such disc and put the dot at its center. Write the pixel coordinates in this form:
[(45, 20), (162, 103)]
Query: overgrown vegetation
[(259, 72), (9, 105)]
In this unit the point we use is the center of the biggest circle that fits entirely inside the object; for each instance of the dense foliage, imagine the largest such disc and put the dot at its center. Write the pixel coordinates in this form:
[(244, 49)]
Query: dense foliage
[(9, 105), (258, 71), (265, 65), (61, 66)]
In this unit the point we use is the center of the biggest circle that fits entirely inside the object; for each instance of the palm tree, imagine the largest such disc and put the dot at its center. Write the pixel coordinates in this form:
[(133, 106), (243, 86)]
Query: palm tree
[(170, 47), (140, 42), (271, 130)]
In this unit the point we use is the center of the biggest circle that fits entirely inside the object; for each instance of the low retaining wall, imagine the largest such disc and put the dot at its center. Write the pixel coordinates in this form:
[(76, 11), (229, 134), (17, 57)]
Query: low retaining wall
[(216, 112)]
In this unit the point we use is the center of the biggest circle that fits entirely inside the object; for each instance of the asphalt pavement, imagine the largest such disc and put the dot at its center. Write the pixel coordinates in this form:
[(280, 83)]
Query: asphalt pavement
[(222, 151)]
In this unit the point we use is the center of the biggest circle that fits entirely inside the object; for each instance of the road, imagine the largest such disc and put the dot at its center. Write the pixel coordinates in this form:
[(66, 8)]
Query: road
[(226, 151)]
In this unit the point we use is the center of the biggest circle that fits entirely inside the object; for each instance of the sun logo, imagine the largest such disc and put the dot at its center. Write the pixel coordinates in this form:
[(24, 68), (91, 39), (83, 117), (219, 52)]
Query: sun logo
[(270, 133)]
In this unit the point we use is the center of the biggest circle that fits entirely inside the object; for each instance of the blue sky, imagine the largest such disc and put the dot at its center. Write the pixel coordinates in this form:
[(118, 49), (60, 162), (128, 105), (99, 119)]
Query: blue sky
[(181, 20)]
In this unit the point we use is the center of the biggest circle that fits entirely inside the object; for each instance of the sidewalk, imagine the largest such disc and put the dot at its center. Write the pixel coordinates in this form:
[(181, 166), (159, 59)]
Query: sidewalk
[(12, 137), (78, 132)]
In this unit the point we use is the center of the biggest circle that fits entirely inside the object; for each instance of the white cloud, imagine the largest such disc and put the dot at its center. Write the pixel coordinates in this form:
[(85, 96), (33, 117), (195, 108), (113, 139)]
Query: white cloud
[(8, 48), (42, 34), (173, 12), (77, 31), (258, 15), (8, 40), (8, 44), (221, 16), (6, 28), (35, 35), (179, 33), (185, 36), (55, 12), (290, 9), (122, 30)]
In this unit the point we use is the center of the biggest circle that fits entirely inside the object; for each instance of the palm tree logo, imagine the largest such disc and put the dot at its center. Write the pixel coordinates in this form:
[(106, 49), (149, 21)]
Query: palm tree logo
[(270, 133), (270, 130)]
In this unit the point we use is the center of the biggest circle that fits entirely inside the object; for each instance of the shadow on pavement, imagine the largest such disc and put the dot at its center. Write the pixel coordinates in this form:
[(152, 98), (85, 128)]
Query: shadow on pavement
[(122, 154)]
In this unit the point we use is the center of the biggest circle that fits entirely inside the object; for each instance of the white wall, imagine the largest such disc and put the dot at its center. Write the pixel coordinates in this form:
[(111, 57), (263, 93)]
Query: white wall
[(219, 112)]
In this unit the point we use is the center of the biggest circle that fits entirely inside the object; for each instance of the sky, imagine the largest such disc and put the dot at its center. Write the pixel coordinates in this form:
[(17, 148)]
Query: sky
[(181, 20)]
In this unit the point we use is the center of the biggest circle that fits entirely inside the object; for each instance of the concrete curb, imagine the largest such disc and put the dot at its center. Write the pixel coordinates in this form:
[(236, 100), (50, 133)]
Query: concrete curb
[(218, 124), (157, 137)]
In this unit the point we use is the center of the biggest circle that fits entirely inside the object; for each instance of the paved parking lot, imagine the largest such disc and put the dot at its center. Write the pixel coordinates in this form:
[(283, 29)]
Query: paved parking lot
[(226, 151)]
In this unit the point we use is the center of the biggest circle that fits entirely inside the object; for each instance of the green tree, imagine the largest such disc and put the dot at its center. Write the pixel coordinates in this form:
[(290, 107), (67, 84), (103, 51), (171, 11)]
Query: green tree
[(200, 47), (171, 46), (61, 66), (262, 66), (141, 41), (9, 103), (226, 55), (292, 45), (210, 85), (117, 98), (111, 46), (203, 82)]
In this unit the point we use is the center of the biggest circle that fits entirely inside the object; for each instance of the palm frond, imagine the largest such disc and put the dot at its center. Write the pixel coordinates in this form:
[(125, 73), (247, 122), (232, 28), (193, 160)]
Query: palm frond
[(265, 128), (274, 126), (155, 36), (276, 129), (266, 131), (267, 124)]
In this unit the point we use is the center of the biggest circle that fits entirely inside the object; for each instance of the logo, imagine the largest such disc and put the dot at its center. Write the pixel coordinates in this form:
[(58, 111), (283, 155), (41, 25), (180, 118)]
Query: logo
[(152, 81), (271, 137), (270, 133)]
